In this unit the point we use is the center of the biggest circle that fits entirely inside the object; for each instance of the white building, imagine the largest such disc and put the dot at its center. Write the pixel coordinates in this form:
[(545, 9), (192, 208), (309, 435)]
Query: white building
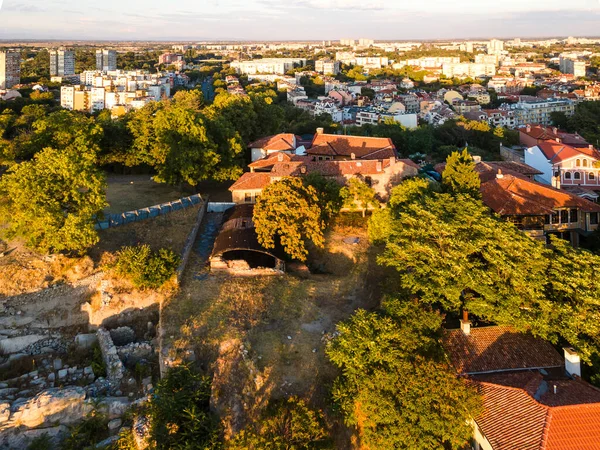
[(495, 46), (572, 66), (372, 62), (540, 111), (268, 65), (469, 70), (327, 66), (328, 106)]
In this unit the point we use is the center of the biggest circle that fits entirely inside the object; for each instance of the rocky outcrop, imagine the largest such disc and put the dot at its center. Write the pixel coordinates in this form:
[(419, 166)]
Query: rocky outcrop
[(65, 406)]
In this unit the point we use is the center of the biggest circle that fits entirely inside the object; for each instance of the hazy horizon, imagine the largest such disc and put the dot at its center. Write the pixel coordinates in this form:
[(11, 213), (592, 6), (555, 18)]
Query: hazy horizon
[(255, 20)]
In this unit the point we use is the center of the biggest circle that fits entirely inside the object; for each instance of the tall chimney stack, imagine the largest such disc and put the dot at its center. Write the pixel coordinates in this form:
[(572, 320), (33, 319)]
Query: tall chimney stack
[(465, 323), (572, 362), (320, 130)]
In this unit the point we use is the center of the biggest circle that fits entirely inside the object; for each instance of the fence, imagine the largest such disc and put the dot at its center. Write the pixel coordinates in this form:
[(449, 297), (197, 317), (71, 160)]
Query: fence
[(116, 220)]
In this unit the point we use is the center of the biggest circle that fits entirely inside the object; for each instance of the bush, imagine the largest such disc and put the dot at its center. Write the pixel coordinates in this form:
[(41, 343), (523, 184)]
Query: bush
[(179, 412), (98, 364), (87, 433), (286, 425), (144, 268), (43, 442)]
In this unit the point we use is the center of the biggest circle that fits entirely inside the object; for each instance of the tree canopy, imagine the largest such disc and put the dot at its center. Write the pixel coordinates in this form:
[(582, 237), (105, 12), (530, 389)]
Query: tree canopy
[(288, 211), (396, 389), (451, 251), (459, 175), (52, 200), (357, 194)]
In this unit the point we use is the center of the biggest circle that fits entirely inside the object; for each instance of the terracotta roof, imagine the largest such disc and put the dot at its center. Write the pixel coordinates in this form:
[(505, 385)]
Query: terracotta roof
[(558, 152), (490, 349), (279, 142), (361, 147), (251, 181), (521, 411), (551, 133), (488, 170), (270, 160), (517, 196)]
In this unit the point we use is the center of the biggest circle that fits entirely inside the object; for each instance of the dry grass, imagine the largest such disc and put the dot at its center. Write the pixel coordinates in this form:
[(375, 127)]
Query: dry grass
[(282, 322)]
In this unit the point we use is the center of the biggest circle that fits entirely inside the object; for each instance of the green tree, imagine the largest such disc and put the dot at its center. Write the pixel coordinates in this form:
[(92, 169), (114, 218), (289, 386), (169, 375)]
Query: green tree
[(330, 200), (179, 412), (288, 211), (359, 195), (396, 390), (52, 200), (459, 175), (286, 425)]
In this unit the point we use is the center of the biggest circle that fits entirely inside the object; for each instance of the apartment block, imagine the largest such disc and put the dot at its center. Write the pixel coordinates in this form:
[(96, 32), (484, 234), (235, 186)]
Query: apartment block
[(62, 63), (10, 69), (539, 111), (327, 66), (469, 70), (572, 66), (106, 60), (268, 65)]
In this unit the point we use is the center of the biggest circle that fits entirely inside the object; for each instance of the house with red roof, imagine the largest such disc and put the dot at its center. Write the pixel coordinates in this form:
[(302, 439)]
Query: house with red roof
[(381, 174), (508, 189), (283, 142), (565, 165), (532, 398), (343, 148)]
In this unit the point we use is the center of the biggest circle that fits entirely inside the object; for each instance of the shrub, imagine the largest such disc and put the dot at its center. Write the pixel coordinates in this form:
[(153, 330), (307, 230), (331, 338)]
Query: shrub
[(144, 268), (87, 433), (43, 442), (98, 364), (179, 412), (286, 425)]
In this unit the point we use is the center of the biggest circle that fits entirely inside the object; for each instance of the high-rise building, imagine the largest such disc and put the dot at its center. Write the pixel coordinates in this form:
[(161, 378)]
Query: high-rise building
[(106, 60), (495, 46), (365, 42), (573, 66), (10, 69), (62, 63)]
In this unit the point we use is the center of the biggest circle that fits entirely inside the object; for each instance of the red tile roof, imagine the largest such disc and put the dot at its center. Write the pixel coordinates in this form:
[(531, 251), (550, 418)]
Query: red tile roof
[(361, 147), (521, 411), (551, 133), (515, 196), (488, 170), (279, 142), (557, 152), (490, 349), (271, 159), (251, 181)]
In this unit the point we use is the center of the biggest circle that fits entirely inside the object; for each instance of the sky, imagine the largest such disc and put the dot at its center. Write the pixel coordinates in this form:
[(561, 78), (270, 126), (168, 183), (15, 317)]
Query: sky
[(197, 20)]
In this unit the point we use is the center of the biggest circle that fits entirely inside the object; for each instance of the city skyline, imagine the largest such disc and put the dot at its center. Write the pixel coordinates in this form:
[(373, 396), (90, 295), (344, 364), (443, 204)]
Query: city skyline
[(295, 20)]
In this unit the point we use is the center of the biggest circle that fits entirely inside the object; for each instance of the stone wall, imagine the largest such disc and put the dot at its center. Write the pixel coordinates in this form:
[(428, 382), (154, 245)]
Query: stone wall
[(114, 366)]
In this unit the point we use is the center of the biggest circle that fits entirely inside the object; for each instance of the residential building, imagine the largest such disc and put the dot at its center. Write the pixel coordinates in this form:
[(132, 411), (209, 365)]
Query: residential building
[(465, 106), (531, 135), (106, 60), (348, 58), (347, 42), (532, 398), (283, 142), (342, 148), (495, 46), (329, 106), (411, 102), (170, 58), (268, 65), (327, 66), (495, 117), (561, 163), (464, 70), (572, 65), (365, 42), (382, 173), (510, 190), (539, 111), (62, 63), (10, 69), (371, 62)]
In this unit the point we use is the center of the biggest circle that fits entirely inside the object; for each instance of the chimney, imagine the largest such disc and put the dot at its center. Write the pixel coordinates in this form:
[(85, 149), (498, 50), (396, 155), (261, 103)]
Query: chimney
[(555, 130), (558, 140), (499, 175), (320, 130), (465, 324), (392, 160), (476, 159), (379, 166), (528, 128), (280, 157), (591, 147), (303, 169), (352, 156), (572, 362)]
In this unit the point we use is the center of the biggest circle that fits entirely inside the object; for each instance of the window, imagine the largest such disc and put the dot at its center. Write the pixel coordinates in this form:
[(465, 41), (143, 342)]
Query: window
[(591, 176), (577, 176), (594, 218), (564, 216), (574, 216), (554, 217), (578, 163), (248, 197), (557, 174), (585, 163), (567, 175)]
